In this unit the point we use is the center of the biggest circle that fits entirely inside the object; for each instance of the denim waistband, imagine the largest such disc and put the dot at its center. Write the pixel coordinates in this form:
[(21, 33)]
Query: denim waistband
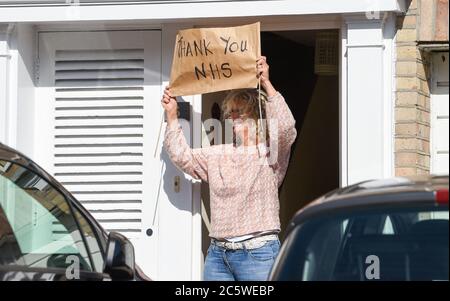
[(252, 243)]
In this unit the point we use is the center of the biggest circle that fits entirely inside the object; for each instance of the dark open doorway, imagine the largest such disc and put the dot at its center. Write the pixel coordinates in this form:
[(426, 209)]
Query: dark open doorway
[(314, 101)]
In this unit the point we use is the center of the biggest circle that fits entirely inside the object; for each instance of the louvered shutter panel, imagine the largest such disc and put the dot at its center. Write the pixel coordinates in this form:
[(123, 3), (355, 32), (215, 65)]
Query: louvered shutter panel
[(97, 121), (99, 132)]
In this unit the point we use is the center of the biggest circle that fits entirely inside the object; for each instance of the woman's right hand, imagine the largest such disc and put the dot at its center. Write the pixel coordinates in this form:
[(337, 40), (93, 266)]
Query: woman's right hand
[(170, 105)]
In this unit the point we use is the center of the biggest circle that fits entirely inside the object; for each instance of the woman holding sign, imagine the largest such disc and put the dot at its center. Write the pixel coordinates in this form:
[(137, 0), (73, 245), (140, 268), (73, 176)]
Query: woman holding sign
[(243, 179)]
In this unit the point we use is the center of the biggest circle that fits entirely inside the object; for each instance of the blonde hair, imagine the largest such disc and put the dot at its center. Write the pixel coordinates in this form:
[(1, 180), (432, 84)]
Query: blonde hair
[(248, 99)]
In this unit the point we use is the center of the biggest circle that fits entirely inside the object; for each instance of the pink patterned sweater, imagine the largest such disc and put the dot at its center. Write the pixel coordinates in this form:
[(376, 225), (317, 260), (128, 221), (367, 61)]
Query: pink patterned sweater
[(243, 180)]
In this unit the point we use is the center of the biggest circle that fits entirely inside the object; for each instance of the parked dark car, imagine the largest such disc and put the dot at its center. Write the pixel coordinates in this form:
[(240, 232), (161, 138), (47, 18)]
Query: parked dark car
[(396, 229), (46, 234)]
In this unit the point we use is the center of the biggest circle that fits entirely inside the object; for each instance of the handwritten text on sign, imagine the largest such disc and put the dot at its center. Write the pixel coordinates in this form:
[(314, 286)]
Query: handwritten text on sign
[(215, 59)]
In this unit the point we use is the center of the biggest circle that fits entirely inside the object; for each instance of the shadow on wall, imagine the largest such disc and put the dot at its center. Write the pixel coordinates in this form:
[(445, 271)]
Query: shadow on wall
[(167, 178)]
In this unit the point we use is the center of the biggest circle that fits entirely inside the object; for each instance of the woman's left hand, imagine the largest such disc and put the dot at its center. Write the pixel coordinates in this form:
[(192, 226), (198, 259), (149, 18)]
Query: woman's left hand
[(262, 69), (263, 72)]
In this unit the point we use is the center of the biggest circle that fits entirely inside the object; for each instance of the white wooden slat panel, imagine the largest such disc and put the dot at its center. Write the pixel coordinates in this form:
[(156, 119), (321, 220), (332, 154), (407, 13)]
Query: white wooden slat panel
[(121, 224), (100, 150), (62, 136), (113, 177), (91, 149), (96, 54), (83, 87), (132, 122), (73, 146), (74, 164), (70, 150), (95, 65), (97, 124), (94, 187), (62, 160), (110, 198), (106, 146), (117, 214), (66, 104), (99, 74), (98, 112), (130, 230), (105, 112), (96, 147), (95, 140), (99, 168), (99, 92), (76, 132), (111, 206), (95, 83), (85, 131)]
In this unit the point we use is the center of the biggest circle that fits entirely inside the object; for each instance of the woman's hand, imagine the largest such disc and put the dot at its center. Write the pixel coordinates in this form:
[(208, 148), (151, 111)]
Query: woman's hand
[(170, 105), (263, 69), (263, 73)]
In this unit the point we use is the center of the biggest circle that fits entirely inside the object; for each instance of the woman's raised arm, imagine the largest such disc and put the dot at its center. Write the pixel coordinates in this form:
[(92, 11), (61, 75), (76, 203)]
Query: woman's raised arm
[(278, 115), (190, 161)]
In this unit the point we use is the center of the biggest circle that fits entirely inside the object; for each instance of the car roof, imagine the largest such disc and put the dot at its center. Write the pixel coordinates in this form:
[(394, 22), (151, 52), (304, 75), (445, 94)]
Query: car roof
[(423, 183), (392, 192)]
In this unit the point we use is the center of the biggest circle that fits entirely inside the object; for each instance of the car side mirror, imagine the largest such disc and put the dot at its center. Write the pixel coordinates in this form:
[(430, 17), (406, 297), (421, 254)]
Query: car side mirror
[(119, 264)]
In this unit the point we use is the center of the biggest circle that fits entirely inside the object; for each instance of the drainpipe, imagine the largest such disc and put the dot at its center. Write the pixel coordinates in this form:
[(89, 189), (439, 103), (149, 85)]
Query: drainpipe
[(5, 57)]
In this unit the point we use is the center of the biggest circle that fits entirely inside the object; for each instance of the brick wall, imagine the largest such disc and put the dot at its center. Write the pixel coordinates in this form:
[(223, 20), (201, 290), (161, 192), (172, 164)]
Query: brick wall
[(432, 20), (424, 21)]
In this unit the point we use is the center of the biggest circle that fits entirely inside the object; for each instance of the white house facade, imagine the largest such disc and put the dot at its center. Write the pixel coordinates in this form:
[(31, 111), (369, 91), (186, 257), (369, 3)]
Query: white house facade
[(80, 88)]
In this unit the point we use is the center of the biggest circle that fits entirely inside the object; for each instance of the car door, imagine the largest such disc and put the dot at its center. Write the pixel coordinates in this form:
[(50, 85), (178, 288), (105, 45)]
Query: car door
[(40, 237)]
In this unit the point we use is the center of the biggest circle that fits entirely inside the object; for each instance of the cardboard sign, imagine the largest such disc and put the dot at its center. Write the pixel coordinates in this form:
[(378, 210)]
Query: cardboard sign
[(215, 59)]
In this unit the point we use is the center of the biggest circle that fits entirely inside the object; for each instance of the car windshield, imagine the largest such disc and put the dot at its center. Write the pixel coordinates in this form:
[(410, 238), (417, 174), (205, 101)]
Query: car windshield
[(37, 228), (392, 244)]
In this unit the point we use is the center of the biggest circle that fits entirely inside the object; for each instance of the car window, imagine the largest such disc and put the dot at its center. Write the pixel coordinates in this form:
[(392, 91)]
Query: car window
[(368, 246), (37, 223), (92, 241)]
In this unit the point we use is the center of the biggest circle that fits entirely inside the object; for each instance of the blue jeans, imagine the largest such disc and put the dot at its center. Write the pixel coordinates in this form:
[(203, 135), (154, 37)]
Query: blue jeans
[(242, 265)]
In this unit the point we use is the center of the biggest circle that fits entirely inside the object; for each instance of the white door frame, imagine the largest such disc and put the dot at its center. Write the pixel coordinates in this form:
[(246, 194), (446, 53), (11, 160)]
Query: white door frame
[(367, 98), (436, 72)]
